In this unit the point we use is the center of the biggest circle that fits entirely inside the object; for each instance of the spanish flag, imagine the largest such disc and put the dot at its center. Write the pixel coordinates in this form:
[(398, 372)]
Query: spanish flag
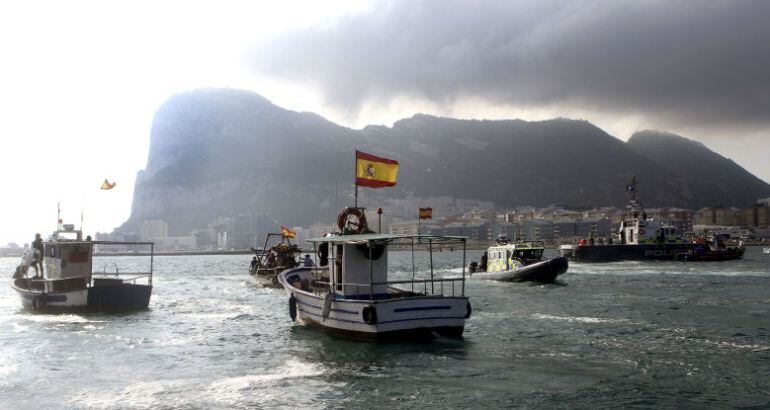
[(426, 213), (108, 185), (287, 233), (375, 172)]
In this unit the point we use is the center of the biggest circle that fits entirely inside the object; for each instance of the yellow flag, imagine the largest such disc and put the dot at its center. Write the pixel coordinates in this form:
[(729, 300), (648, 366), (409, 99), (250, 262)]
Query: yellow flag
[(287, 233), (108, 185), (375, 172)]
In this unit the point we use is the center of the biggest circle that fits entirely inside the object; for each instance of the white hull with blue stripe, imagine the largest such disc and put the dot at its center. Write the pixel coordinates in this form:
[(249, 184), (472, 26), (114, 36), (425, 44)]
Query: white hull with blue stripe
[(398, 311), (33, 300), (351, 292)]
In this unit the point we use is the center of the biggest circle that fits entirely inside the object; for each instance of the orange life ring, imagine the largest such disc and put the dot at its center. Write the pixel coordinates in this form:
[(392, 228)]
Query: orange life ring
[(346, 225)]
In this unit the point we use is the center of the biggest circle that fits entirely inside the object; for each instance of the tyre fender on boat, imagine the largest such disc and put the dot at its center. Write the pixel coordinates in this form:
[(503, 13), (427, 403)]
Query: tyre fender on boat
[(293, 307), (369, 315), (327, 305), (468, 310)]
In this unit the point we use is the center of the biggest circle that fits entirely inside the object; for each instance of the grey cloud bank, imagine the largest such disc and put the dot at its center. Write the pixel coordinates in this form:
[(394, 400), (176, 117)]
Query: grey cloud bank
[(680, 65)]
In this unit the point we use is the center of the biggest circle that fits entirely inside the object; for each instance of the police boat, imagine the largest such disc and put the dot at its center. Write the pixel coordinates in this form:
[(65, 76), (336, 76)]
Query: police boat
[(70, 283), (518, 261), (351, 291), (639, 238)]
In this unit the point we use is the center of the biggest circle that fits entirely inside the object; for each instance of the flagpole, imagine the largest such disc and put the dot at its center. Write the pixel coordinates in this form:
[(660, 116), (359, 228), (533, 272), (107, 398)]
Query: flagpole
[(355, 184)]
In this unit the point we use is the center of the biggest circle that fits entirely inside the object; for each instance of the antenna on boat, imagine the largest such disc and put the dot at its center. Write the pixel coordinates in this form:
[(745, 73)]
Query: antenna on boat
[(58, 216), (81, 212)]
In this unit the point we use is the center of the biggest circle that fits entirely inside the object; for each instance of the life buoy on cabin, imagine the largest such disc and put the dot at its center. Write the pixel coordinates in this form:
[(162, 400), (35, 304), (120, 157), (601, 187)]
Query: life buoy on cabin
[(369, 315), (351, 220), (292, 307)]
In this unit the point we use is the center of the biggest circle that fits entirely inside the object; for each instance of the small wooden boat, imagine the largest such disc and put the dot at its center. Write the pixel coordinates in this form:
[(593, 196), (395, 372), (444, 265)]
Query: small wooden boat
[(351, 292), (518, 262), (69, 282), (270, 260)]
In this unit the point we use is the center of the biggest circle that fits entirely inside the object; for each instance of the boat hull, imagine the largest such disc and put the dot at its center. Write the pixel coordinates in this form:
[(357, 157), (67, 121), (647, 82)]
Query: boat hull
[(413, 317), (616, 253), (701, 255), (545, 272), (105, 298), (119, 297)]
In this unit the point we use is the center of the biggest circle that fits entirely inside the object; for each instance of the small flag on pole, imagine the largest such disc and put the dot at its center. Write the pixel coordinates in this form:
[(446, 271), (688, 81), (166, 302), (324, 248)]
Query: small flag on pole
[(288, 233), (375, 172), (107, 185), (426, 213)]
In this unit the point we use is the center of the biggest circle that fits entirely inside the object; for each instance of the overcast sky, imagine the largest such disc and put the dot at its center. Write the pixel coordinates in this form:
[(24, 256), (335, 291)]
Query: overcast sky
[(79, 81)]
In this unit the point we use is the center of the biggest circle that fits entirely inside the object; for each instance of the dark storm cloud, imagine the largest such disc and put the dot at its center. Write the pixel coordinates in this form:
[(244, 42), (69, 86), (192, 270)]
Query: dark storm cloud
[(680, 61)]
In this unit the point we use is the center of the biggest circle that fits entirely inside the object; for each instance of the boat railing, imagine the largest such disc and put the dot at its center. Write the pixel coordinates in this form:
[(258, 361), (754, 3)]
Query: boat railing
[(124, 277)]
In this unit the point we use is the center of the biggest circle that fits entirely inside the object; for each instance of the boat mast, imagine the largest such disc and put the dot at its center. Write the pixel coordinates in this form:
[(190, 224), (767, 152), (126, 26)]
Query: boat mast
[(635, 205)]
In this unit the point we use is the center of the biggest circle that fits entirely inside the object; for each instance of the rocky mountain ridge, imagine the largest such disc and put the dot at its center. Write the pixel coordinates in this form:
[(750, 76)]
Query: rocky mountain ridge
[(221, 152)]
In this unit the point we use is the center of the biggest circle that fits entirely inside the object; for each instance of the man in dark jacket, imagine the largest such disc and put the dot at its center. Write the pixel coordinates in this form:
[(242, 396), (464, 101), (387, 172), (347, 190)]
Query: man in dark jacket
[(37, 248)]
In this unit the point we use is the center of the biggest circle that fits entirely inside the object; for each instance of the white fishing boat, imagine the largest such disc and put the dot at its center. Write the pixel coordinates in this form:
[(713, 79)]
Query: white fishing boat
[(68, 281), (350, 292)]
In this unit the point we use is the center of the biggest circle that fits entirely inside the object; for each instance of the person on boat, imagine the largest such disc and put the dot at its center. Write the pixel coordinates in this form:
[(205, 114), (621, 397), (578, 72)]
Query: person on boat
[(270, 263), (253, 267), (483, 262), (307, 262), (582, 242), (37, 248)]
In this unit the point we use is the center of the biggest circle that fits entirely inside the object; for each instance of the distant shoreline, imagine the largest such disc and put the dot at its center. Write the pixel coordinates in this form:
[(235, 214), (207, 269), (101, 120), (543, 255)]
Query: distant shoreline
[(470, 247)]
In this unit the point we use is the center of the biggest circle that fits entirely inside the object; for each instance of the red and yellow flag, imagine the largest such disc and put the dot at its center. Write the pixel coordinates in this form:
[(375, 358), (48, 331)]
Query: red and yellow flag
[(108, 185), (375, 172), (287, 233), (426, 213)]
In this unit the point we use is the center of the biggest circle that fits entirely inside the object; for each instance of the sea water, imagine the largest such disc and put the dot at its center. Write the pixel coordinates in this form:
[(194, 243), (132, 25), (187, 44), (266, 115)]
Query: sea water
[(631, 334)]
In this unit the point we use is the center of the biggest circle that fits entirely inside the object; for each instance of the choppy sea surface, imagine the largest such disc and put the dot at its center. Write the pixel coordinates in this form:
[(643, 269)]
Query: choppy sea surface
[(630, 334)]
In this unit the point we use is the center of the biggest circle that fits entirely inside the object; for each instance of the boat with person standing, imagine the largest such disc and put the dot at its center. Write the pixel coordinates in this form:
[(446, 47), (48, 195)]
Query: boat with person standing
[(69, 283), (277, 253)]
